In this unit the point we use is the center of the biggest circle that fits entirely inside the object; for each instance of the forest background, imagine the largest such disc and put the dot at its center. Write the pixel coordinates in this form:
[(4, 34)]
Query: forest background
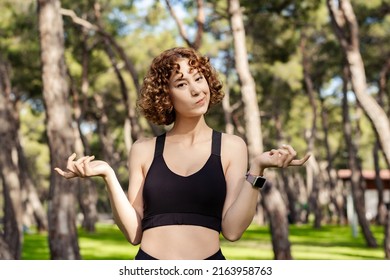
[(309, 73)]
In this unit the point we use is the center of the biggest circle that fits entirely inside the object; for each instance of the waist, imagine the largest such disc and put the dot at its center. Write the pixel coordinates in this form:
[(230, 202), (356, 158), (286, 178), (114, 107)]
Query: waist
[(180, 242)]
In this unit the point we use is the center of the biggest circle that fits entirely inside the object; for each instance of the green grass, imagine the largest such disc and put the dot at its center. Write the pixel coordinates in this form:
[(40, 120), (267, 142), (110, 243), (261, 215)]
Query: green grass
[(307, 243)]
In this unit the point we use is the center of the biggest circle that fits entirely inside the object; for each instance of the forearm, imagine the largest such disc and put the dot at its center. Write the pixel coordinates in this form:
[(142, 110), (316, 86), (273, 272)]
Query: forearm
[(125, 215), (240, 214)]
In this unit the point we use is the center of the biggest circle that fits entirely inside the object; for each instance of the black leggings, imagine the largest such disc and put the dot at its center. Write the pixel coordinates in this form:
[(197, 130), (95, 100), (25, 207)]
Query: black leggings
[(142, 255)]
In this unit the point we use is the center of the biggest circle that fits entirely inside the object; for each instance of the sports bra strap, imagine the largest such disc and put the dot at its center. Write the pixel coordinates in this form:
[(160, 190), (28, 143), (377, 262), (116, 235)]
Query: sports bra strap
[(216, 143), (160, 140)]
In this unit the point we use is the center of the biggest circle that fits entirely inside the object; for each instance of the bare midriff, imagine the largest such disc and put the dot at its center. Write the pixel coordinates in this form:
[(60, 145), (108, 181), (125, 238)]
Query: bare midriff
[(180, 242)]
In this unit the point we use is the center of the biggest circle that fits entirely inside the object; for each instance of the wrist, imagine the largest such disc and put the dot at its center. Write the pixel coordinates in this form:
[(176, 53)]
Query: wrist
[(108, 174), (257, 181), (256, 170)]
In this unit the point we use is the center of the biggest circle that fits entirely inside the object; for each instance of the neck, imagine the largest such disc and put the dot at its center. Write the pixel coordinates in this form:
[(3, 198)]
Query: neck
[(189, 127)]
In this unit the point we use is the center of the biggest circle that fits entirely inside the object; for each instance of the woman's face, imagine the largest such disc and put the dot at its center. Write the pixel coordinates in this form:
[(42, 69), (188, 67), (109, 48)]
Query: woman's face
[(189, 91)]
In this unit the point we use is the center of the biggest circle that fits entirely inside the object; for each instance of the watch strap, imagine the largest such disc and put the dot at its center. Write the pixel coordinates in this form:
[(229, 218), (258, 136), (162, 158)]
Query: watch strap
[(255, 180)]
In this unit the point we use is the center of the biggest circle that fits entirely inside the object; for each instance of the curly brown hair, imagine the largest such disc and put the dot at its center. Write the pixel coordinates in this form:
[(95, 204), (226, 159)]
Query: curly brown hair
[(154, 100)]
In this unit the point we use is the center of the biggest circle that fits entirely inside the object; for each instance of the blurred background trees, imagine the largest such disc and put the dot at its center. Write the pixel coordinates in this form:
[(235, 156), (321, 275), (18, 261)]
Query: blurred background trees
[(309, 73)]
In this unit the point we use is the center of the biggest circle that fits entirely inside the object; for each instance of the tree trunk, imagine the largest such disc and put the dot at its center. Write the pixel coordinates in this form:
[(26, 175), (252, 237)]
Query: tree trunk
[(387, 235), (313, 186), (288, 188), (33, 210), (356, 171), (273, 200), (346, 28), (226, 106), (277, 213), (313, 170), (63, 241), (248, 87), (9, 169), (5, 253), (336, 195), (87, 193), (381, 209)]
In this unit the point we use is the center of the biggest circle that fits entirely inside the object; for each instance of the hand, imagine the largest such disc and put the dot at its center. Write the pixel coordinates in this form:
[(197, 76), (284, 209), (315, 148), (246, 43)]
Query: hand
[(282, 157), (84, 167)]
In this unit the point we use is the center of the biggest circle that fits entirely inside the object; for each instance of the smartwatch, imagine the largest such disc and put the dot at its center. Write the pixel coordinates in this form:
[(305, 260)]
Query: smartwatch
[(256, 181)]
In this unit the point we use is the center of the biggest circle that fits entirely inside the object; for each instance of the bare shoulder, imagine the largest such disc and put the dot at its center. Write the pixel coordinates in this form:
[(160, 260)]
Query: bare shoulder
[(144, 143), (231, 142), (234, 152), (142, 149)]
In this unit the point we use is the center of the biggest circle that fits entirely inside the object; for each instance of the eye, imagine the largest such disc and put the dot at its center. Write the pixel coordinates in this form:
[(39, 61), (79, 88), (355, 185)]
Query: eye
[(199, 78), (180, 85)]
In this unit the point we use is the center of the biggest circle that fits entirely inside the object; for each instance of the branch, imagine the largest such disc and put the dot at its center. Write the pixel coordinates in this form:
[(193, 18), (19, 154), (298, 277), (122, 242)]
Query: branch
[(349, 15), (338, 22), (129, 66), (200, 19), (179, 23), (78, 20)]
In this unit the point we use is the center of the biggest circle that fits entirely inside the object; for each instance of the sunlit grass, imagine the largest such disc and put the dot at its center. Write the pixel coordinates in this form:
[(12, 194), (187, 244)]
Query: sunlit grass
[(307, 243), (331, 242)]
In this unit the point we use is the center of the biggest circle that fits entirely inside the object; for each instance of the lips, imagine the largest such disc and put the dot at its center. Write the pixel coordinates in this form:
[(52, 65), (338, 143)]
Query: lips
[(201, 101)]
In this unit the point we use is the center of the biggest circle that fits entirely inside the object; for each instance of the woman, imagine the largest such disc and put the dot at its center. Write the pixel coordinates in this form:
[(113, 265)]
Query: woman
[(191, 184)]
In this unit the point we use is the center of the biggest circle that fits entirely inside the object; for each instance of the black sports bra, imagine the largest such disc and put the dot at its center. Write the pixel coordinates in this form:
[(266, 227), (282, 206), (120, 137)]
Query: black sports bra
[(197, 199)]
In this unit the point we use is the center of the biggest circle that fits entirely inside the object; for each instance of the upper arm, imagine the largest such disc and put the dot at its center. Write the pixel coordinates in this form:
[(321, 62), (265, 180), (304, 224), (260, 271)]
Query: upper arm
[(235, 165), (140, 158)]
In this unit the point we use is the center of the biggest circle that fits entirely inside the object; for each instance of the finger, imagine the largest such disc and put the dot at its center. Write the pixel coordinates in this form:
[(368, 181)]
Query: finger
[(66, 175), (59, 171), (290, 150), (71, 157), (82, 159), (291, 154), (86, 165), (80, 170), (299, 162), (70, 161)]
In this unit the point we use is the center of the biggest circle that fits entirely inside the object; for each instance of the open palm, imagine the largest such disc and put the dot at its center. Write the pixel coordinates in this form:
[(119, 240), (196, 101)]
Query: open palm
[(84, 167)]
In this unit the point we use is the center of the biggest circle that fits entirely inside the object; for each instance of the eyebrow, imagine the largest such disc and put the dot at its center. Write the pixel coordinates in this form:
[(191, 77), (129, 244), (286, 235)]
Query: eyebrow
[(194, 70)]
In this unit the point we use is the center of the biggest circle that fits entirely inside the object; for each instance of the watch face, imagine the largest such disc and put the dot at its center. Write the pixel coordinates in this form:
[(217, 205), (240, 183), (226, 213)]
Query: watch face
[(259, 182), (256, 181)]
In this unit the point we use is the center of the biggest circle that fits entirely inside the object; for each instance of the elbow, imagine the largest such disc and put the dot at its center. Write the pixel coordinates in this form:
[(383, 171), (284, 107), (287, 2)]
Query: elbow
[(232, 236), (133, 241)]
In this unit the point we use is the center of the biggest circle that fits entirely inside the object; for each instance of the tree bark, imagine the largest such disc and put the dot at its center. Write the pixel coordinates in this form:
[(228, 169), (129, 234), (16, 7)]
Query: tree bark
[(387, 235), (87, 193), (346, 28), (63, 241), (248, 87), (336, 195), (9, 169), (5, 253), (273, 201), (312, 168), (277, 213), (356, 171)]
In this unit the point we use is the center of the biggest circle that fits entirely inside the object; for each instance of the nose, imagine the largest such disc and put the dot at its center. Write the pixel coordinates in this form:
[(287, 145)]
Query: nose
[(195, 90)]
